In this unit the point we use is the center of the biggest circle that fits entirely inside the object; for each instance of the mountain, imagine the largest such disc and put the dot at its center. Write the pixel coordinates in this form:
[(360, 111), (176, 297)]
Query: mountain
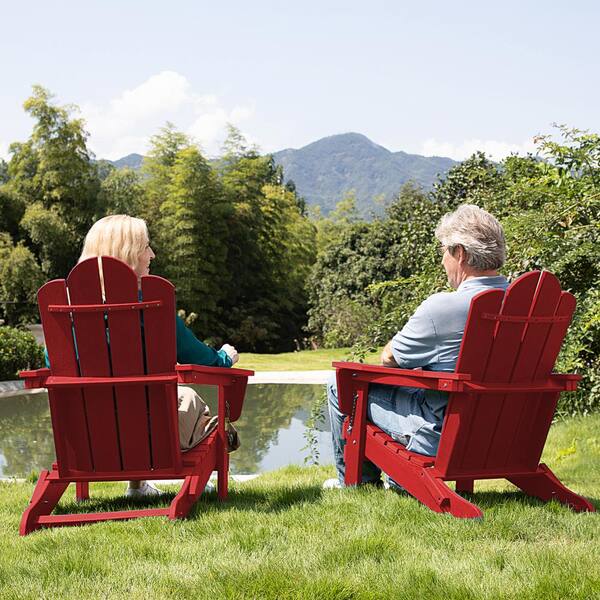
[(332, 166), (328, 168), (133, 161)]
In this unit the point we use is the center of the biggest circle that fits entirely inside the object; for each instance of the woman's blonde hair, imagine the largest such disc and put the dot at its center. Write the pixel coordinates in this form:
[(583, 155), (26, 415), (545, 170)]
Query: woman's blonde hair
[(120, 236)]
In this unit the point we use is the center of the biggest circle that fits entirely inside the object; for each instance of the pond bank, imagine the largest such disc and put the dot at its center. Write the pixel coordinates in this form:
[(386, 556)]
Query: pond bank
[(8, 388)]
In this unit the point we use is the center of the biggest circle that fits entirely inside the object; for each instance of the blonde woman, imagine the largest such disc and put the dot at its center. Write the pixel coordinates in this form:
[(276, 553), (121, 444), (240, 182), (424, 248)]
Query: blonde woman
[(126, 238)]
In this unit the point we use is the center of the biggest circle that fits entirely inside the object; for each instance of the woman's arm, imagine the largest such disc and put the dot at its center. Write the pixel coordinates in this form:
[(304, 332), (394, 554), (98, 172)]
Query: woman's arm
[(190, 350)]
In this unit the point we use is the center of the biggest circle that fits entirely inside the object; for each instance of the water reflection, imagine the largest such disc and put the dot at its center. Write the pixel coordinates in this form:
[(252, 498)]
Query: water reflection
[(271, 428)]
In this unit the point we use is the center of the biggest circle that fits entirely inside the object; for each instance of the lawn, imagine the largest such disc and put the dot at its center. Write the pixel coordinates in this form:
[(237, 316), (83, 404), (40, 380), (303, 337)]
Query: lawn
[(282, 536), (305, 360)]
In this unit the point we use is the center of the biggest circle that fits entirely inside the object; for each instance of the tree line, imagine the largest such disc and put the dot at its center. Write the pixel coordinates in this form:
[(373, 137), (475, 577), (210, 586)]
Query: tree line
[(254, 267), (233, 238)]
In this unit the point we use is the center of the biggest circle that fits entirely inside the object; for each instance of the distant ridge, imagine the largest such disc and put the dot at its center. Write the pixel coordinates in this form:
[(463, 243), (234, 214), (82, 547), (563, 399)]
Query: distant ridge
[(327, 169), (132, 161)]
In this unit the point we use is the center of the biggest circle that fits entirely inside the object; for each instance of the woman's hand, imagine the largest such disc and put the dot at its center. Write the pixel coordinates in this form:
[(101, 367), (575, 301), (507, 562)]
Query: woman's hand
[(231, 352)]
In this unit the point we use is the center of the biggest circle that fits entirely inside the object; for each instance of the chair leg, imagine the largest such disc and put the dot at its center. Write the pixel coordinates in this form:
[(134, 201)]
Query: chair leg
[(354, 450), (82, 491), (223, 475), (45, 497), (190, 491), (435, 494), (465, 486), (545, 485)]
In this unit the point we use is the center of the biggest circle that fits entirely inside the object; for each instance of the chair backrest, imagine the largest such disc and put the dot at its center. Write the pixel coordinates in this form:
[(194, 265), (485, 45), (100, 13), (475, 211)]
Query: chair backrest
[(95, 326), (510, 338)]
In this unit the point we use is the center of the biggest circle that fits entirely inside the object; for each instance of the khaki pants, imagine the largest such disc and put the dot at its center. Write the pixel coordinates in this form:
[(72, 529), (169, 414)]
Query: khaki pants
[(195, 422)]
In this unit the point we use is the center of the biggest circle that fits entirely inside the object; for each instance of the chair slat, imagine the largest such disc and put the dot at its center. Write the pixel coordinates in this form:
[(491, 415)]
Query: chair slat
[(68, 412), (94, 361), (502, 356), (528, 445), (473, 358), (125, 335), (514, 426), (58, 329), (161, 356)]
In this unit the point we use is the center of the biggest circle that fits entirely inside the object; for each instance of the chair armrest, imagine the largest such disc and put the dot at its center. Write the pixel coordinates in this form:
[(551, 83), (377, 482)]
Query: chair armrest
[(570, 381), (199, 374), (434, 380), (35, 379), (231, 382)]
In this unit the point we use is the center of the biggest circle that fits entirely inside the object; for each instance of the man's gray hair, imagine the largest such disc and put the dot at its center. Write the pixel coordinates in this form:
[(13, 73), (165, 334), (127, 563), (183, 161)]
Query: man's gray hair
[(478, 232)]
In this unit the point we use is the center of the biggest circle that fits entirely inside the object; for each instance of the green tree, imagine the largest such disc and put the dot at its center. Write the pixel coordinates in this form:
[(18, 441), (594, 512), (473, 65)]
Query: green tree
[(12, 209), (20, 278), (270, 244), (53, 238), (121, 192), (156, 172), (194, 215), (472, 180), (53, 174), (54, 166)]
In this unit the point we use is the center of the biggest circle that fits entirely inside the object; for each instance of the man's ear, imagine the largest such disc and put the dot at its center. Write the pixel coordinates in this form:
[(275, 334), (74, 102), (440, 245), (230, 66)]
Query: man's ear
[(460, 254)]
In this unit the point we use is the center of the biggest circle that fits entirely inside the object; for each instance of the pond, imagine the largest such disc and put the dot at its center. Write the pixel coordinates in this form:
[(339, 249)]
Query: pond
[(272, 430)]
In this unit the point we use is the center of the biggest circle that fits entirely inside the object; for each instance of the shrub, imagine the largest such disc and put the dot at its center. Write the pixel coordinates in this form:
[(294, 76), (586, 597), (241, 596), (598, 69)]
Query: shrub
[(18, 351)]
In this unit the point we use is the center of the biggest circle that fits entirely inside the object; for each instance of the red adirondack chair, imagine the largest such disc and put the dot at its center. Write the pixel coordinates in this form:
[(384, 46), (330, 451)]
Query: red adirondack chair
[(112, 390), (502, 399)]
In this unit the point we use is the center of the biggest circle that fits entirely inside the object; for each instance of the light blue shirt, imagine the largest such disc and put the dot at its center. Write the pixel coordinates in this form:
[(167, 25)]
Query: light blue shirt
[(430, 340)]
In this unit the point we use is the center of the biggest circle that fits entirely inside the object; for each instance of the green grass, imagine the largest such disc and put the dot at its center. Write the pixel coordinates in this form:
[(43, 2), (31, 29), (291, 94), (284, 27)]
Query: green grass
[(306, 360), (282, 536)]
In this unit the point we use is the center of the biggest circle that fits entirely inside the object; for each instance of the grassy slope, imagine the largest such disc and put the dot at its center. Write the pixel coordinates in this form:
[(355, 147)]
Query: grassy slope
[(306, 360), (281, 536)]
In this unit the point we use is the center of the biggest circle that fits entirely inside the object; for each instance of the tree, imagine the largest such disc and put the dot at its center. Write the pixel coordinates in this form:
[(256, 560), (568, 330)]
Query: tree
[(53, 174), (164, 148), (194, 216), (121, 192), (20, 278), (54, 240), (54, 166), (270, 244), (470, 181)]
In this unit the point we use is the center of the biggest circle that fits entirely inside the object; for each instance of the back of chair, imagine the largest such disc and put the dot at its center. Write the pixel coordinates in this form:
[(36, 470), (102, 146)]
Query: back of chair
[(111, 429), (512, 339)]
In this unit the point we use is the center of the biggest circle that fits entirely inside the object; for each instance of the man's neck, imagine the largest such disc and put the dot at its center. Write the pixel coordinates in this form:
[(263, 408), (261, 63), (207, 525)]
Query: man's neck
[(473, 274)]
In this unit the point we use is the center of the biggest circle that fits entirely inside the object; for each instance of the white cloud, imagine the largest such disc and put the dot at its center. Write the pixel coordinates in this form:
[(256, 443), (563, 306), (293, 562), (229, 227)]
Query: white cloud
[(494, 149), (126, 123), (3, 150)]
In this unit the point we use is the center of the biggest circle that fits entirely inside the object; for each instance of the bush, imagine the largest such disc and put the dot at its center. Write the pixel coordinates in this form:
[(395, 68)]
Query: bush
[(18, 351)]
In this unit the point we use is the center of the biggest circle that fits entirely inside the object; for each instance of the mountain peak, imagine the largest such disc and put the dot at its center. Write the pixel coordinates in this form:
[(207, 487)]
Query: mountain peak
[(325, 170)]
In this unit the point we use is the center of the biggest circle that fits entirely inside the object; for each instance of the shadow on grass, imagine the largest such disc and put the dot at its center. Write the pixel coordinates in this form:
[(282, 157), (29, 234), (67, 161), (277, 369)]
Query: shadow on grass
[(277, 499), (274, 500), (491, 499)]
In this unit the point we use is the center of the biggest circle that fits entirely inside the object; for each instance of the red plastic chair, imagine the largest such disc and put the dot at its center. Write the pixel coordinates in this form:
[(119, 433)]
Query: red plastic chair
[(502, 400), (112, 391)]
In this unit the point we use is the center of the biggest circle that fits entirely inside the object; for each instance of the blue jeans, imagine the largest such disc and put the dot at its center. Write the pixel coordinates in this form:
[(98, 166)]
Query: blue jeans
[(401, 412)]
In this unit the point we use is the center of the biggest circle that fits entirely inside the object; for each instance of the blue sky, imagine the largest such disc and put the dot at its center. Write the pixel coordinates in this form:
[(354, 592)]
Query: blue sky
[(430, 77)]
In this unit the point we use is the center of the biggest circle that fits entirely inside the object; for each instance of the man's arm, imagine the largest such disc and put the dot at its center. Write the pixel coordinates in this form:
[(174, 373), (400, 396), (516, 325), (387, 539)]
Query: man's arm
[(387, 356), (416, 344)]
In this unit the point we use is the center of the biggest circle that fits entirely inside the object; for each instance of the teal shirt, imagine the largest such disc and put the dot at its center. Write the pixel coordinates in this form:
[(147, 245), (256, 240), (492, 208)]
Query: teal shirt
[(190, 350)]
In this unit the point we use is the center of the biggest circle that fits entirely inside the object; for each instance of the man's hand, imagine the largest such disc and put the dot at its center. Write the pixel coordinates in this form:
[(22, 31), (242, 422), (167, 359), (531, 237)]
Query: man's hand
[(387, 356), (231, 352)]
